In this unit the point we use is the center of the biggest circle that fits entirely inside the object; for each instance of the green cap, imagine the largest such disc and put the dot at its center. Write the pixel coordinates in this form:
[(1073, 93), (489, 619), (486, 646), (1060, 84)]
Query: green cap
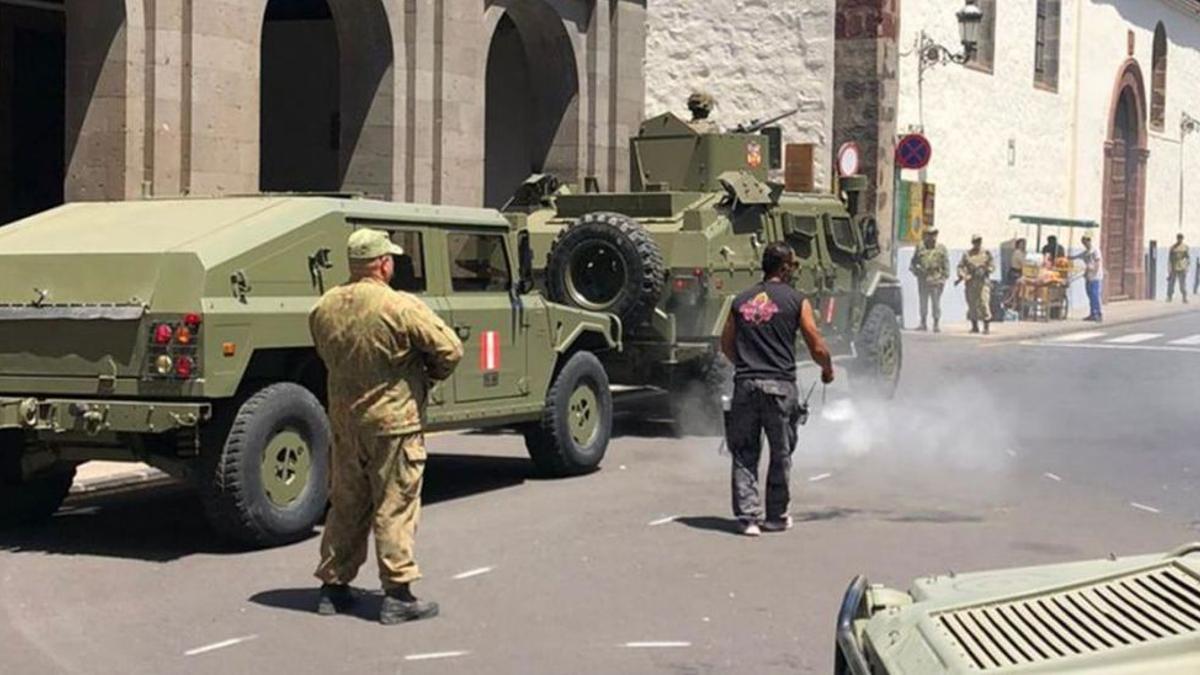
[(371, 244)]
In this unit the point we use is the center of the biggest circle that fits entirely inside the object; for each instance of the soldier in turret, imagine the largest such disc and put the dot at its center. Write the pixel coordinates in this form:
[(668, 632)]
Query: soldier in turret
[(931, 266), (701, 104), (975, 269)]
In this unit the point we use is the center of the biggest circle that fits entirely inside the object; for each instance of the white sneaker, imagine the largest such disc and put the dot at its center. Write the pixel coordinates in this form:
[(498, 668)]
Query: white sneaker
[(782, 525), (751, 529)]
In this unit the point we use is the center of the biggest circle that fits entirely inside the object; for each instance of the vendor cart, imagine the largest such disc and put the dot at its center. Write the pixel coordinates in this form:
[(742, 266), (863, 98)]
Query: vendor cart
[(1041, 294)]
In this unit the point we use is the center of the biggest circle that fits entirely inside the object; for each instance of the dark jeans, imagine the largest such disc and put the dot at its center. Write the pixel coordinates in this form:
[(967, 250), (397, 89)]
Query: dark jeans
[(1093, 293), (762, 406)]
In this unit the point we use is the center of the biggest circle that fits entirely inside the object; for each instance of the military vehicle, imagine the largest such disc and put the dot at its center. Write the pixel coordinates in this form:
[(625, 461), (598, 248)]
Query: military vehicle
[(175, 333), (669, 255), (1130, 615)]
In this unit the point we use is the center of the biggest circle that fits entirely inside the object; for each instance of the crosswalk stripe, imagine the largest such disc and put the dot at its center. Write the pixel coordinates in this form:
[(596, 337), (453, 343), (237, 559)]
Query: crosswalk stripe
[(1079, 337), (1134, 338), (1192, 341)]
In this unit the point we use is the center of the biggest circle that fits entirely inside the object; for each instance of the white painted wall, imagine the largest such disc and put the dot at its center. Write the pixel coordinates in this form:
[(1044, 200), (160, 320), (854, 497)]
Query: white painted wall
[(757, 57)]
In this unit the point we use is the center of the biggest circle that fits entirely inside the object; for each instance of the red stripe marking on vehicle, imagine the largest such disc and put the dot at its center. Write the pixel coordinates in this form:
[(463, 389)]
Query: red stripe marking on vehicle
[(489, 351), (829, 309)]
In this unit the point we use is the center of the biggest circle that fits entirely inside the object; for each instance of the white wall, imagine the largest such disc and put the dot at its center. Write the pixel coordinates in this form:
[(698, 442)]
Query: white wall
[(757, 57)]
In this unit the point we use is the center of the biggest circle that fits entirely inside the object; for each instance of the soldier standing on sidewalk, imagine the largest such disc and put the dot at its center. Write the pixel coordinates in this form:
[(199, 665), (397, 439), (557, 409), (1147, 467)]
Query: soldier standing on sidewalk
[(975, 269), (383, 349), (760, 340), (1179, 262), (931, 266)]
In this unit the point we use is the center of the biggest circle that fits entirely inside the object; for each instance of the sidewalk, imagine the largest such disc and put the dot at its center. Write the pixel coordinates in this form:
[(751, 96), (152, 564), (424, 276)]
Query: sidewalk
[(1116, 314)]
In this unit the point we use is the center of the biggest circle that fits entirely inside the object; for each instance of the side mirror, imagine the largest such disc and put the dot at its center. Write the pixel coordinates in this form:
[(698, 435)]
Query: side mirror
[(524, 263), (868, 230)]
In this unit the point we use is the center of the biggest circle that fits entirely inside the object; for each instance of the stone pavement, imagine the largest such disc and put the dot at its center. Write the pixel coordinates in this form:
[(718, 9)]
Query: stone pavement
[(1115, 314)]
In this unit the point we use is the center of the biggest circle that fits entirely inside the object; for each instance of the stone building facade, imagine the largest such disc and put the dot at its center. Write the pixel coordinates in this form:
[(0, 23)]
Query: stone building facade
[(446, 101), (1076, 111)]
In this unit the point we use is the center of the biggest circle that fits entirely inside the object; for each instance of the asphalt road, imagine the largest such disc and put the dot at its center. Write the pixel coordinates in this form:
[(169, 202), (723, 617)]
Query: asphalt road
[(998, 455)]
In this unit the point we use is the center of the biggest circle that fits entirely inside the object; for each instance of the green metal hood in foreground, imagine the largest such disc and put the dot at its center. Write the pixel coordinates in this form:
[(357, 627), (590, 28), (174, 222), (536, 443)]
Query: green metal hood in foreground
[(1126, 616)]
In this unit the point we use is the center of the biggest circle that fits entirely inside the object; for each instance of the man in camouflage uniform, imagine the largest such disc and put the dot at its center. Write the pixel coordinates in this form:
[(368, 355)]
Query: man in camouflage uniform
[(383, 349), (975, 269), (701, 104), (931, 266), (1179, 262)]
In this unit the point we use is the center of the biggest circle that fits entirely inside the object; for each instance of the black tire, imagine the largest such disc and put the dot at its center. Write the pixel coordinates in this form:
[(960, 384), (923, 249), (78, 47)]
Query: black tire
[(880, 349), (553, 443), (695, 397), (28, 501), (237, 498), (607, 262)]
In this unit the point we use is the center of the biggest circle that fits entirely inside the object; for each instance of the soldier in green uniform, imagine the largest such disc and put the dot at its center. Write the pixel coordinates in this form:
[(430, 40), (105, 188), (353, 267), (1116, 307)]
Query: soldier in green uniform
[(975, 269), (931, 266), (700, 104), (1180, 260), (383, 349)]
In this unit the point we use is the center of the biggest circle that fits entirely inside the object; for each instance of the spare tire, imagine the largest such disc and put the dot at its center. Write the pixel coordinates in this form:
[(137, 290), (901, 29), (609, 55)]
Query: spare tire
[(607, 262)]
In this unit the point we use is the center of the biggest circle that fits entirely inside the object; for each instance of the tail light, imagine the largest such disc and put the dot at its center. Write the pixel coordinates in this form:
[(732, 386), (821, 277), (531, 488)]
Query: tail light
[(689, 288), (175, 348)]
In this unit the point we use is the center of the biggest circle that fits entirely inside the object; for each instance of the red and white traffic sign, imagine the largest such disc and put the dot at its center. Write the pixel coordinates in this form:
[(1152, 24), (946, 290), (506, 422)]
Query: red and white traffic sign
[(913, 151), (489, 351), (848, 159)]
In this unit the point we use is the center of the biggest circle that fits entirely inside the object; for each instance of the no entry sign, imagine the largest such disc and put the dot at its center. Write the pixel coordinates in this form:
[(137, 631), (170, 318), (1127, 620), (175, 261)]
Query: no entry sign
[(913, 151)]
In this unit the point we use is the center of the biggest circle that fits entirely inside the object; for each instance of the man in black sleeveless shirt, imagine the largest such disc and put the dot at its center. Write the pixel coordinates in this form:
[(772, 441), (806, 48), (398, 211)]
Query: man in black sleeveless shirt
[(760, 339)]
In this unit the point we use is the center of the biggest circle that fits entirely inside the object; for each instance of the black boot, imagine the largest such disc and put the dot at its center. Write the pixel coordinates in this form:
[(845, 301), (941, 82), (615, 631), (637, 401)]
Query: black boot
[(936, 327), (987, 327), (335, 599), (400, 605), (974, 326)]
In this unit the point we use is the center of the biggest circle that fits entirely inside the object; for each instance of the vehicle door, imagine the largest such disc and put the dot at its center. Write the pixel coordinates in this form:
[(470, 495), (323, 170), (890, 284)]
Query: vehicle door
[(487, 315), (841, 303)]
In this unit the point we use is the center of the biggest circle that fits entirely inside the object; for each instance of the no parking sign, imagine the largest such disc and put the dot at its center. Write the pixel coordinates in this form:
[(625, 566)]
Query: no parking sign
[(913, 151)]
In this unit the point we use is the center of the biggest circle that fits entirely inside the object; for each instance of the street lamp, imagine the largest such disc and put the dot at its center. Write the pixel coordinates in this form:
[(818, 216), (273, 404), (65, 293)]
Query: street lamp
[(932, 53), (1188, 125)]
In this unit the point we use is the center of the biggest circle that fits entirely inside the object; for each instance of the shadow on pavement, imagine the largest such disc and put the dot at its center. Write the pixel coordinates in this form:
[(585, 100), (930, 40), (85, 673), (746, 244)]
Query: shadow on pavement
[(167, 522), (731, 525), (304, 600)]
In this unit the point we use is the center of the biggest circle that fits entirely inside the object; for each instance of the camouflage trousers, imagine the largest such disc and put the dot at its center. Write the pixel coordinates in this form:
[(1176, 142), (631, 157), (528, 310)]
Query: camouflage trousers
[(762, 407), (1181, 279), (979, 300), (376, 488), (931, 298)]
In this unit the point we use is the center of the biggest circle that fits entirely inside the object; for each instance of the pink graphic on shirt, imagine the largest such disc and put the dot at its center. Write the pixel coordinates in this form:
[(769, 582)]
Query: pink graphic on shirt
[(760, 310)]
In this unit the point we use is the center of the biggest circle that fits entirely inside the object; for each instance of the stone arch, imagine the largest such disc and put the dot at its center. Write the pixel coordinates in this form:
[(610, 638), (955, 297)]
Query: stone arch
[(1125, 156), (326, 106), (1158, 79), (532, 100)]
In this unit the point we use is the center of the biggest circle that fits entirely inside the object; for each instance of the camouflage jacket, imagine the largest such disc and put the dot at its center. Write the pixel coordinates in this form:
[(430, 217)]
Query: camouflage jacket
[(1180, 258), (931, 265), (382, 349), (977, 266)]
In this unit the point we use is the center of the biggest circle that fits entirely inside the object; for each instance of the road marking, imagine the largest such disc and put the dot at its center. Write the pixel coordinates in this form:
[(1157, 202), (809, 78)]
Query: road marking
[(1134, 338), (1011, 452), (662, 521), (473, 573), (1053, 476), (656, 645), (819, 477), (1193, 341), (1141, 348), (219, 645), (434, 655), (1143, 507), (1079, 337)]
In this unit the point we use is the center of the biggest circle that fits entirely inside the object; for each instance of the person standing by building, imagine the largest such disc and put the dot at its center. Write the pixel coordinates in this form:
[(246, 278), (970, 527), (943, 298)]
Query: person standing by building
[(1179, 262), (1093, 275), (1016, 265), (759, 338), (975, 269), (383, 350), (931, 266), (701, 104)]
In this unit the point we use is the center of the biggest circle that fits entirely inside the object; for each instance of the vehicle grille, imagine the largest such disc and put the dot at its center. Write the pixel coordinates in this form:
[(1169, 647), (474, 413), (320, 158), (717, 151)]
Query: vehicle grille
[(1122, 612)]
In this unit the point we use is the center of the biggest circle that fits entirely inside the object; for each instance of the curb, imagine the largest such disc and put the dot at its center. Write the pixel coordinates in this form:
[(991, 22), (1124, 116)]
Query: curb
[(1067, 327)]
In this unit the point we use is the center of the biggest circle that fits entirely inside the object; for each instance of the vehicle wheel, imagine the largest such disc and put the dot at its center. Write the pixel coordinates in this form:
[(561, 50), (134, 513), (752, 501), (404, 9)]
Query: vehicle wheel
[(696, 406), (607, 262), (29, 501), (267, 482), (572, 437), (876, 371)]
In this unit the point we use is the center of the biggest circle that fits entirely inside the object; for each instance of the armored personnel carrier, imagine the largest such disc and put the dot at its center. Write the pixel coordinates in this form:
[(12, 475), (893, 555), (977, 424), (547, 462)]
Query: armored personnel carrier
[(669, 256), (176, 333)]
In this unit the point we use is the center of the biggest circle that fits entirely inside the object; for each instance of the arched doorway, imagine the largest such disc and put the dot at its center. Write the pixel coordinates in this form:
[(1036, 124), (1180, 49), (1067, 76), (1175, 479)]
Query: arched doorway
[(532, 101), (33, 53), (1125, 188), (300, 125)]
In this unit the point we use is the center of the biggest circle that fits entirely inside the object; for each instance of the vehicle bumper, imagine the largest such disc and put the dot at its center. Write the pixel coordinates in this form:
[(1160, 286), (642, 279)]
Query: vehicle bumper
[(93, 416), (850, 659)]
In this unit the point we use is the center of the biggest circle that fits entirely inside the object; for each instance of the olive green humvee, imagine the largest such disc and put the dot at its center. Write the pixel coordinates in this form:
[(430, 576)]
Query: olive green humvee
[(147, 331), (1129, 615)]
